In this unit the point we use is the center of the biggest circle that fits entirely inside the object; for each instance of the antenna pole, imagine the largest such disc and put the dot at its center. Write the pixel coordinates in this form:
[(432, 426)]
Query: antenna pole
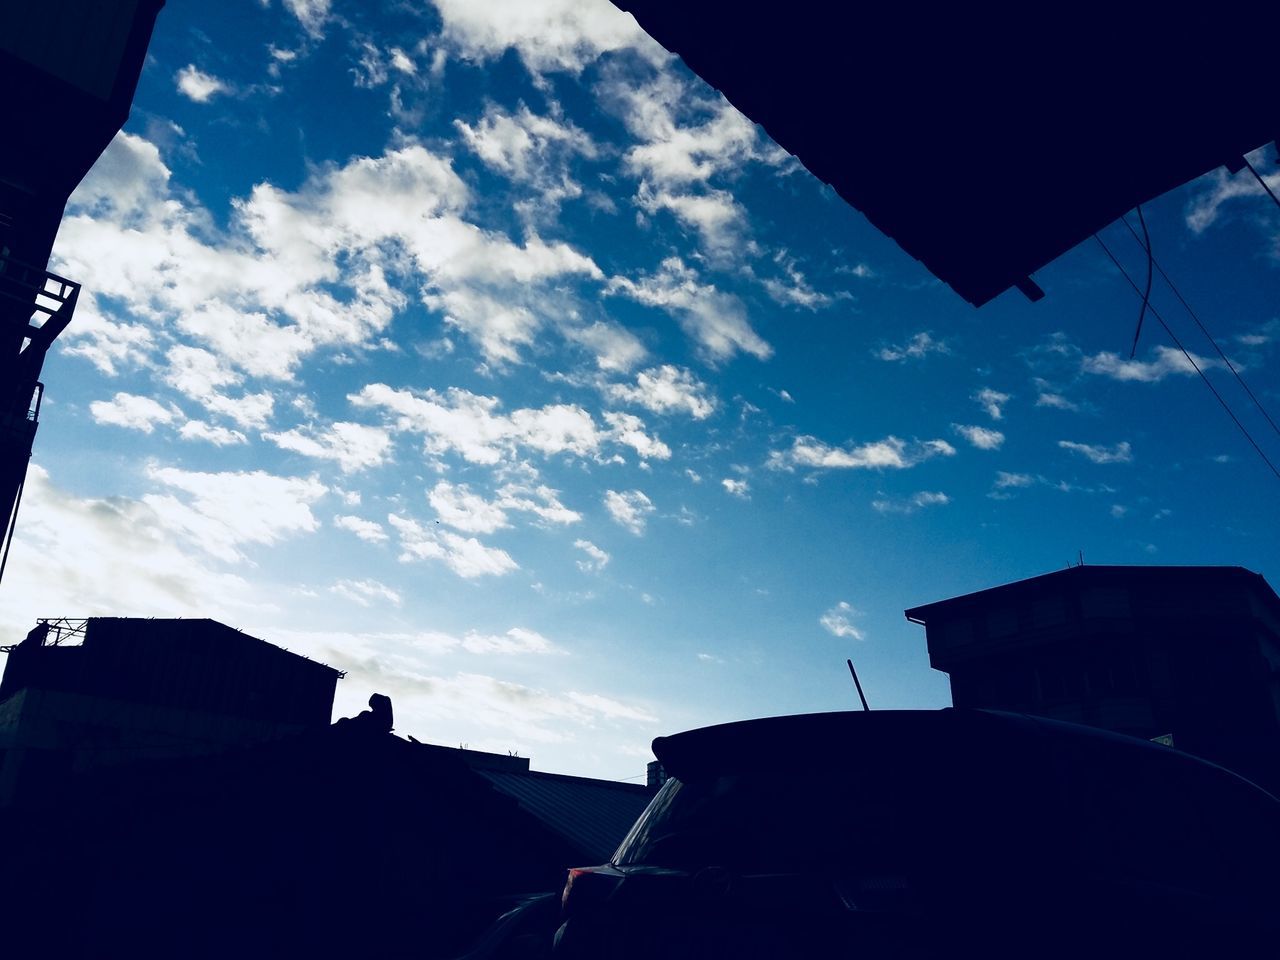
[(854, 673)]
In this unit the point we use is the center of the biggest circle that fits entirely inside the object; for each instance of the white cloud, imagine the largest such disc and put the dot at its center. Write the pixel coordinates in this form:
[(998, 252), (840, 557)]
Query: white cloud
[(465, 556), (889, 453), (596, 560), (109, 556), (1118, 510), (667, 389), (629, 430), (369, 531), (1047, 396), (1005, 480), (1223, 188), (217, 435), (461, 509), (737, 488), (366, 593), (471, 425), (195, 84), (925, 498), (983, 438), (1167, 361), (222, 512), (312, 14), (517, 640), (353, 446), (992, 401), (838, 621), (715, 320), (133, 412), (563, 35), (629, 509), (533, 151), (1120, 453), (685, 138), (796, 291), (920, 345)]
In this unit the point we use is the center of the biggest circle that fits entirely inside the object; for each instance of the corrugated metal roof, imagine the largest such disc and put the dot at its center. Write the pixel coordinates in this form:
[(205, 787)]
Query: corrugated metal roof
[(593, 815)]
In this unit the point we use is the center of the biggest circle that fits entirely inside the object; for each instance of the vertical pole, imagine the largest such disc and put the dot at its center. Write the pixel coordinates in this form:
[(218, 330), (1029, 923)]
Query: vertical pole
[(854, 673)]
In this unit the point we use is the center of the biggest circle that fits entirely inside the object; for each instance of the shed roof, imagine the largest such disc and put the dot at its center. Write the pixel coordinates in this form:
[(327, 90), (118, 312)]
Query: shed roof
[(593, 815)]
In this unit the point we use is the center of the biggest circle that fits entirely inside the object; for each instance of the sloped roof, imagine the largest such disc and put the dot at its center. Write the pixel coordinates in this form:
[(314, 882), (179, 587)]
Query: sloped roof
[(988, 141), (593, 815)]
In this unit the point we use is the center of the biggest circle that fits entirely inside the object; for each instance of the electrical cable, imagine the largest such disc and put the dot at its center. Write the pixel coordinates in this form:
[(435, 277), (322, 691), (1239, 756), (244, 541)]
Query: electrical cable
[(1146, 294), (1225, 359), (1258, 177), (1195, 366)]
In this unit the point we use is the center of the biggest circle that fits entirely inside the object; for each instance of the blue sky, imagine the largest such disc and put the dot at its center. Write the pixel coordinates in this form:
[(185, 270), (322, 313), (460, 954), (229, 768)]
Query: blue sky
[(482, 351)]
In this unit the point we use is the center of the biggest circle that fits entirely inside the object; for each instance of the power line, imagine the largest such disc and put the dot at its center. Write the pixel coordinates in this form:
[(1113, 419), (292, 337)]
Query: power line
[(1225, 359), (1195, 366), (1258, 177), (1146, 294)]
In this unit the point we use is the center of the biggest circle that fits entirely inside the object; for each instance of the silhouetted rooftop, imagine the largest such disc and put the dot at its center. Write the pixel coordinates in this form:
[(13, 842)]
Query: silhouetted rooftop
[(1183, 581), (988, 141), (593, 815)]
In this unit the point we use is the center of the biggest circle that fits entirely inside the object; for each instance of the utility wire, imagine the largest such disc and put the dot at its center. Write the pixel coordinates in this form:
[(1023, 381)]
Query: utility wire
[(1258, 176), (1146, 294), (1230, 366), (1172, 336)]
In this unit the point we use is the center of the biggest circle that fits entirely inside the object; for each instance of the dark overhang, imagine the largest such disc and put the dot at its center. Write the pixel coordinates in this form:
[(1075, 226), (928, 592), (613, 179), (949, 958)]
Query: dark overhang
[(989, 142)]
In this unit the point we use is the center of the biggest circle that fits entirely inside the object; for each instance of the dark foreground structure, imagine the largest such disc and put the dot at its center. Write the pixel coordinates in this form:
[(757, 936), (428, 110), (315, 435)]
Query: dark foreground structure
[(933, 834), (180, 792), (1188, 655), (988, 142)]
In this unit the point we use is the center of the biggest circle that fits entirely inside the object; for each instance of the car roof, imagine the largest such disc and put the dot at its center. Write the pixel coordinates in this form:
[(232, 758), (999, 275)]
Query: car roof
[(881, 739)]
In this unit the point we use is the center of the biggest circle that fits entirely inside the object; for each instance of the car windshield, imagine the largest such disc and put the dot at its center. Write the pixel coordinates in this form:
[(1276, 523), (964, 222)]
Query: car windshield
[(776, 823)]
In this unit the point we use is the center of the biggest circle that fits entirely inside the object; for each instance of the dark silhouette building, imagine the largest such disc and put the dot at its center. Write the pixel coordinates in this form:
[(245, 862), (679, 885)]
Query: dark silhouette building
[(1186, 655), (985, 143), (68, 69), (110, 690), (176, 788)]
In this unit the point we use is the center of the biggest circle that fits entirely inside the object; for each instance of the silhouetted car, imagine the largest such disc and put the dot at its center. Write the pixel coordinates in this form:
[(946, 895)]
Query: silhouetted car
[(932, 834)]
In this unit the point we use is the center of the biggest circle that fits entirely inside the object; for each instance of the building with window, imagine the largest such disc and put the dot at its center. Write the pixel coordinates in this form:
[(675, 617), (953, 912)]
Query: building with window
[(1189, 656)]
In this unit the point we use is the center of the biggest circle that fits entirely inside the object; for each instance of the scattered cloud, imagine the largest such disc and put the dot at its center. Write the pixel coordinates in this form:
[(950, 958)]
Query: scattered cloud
[(992, 401), (666, 389), (353, 446), (369, 531), (737, 488), (195, 84), (984, 438), (548, 35), (1120, 453), (889, 453), (1005, 480), (838, 621), (133, 412), (1167, 361), (629, 509), (920, 345), (366, 593), (219, 436), (596, 559), (465, 556), (714, 320), (925, 498), (517, 640), (221, 513)]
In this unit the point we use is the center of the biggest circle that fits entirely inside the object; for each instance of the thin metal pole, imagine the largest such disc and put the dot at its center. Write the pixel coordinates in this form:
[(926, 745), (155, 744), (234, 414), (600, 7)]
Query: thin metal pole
[(854, 673)]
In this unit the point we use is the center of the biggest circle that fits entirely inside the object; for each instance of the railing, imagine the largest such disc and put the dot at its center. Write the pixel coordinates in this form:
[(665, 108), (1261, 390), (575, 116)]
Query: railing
[(47, 294)]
